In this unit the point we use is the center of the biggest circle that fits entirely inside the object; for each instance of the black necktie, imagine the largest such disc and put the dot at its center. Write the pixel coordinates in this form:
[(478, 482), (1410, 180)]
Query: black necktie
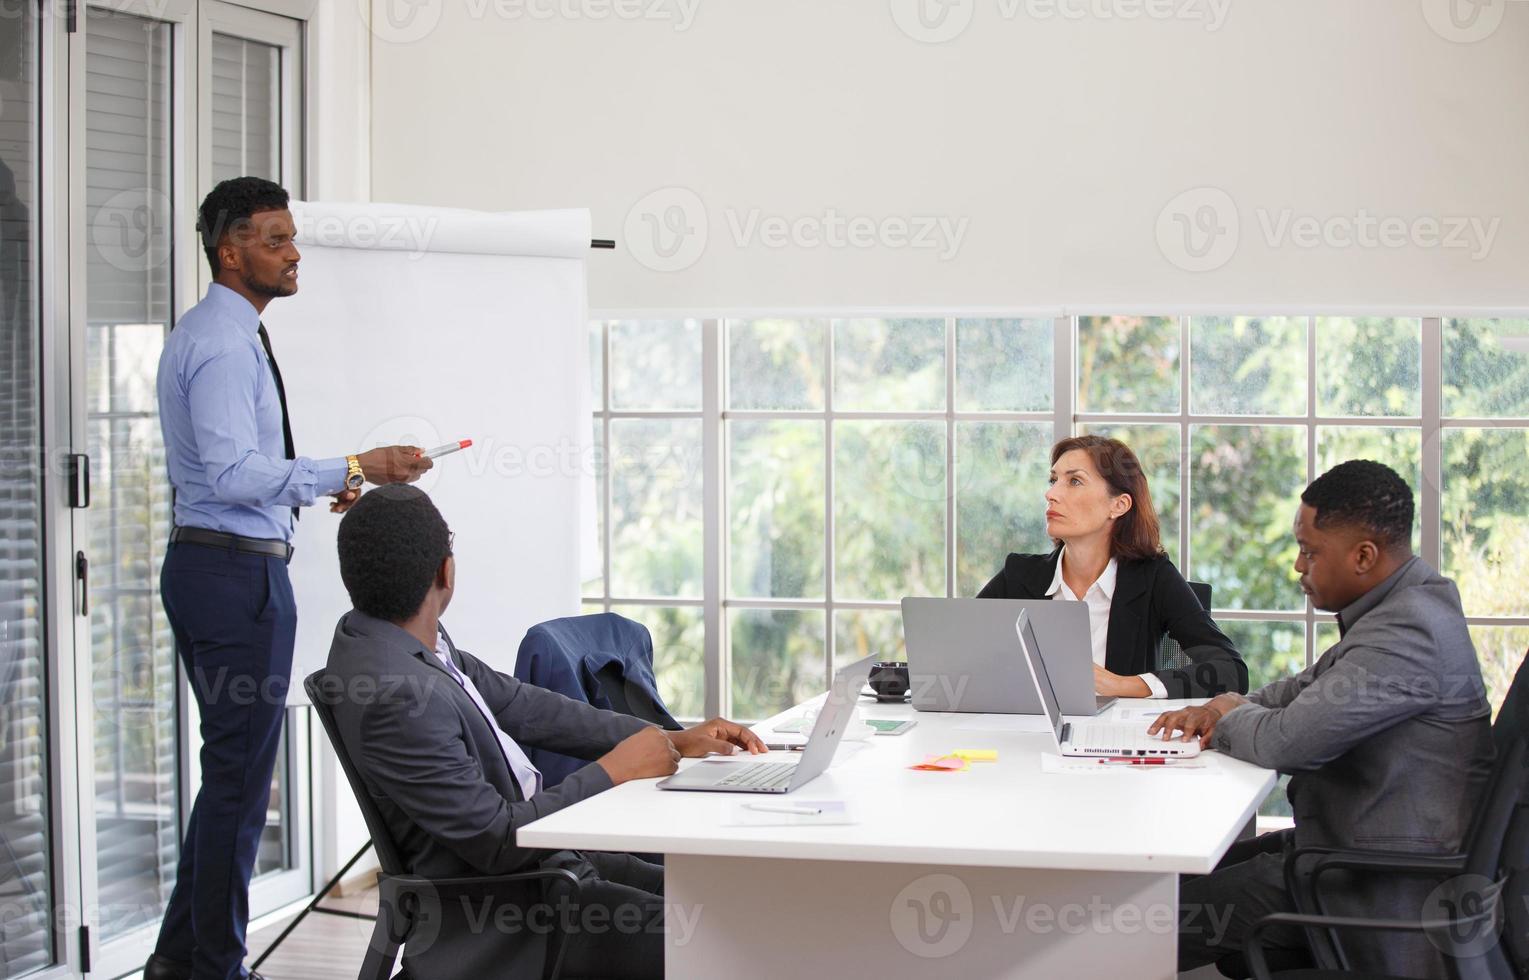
[(281, 395)]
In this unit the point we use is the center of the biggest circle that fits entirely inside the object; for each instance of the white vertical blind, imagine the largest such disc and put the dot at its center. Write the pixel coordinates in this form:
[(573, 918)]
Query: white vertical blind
[(128, 301), (246, 108), (25, 883)]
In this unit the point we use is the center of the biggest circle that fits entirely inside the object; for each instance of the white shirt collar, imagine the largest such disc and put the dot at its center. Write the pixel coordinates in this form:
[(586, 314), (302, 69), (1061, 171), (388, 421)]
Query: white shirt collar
[(1105, 584)]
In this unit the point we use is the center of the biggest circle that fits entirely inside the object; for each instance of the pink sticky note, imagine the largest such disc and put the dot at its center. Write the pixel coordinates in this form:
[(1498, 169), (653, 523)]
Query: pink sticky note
[(946, 763)]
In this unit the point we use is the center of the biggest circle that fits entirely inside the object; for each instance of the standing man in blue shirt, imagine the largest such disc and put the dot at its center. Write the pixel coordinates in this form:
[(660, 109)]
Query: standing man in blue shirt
[(238, 485)]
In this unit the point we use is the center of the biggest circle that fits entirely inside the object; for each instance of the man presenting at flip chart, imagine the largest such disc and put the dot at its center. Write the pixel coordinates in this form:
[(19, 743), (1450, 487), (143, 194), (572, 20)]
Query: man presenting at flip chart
[(238, 485)]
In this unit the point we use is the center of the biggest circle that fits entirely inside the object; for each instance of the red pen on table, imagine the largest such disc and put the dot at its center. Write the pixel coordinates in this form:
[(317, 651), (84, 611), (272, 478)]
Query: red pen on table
[(445, 450), (1131, 761)]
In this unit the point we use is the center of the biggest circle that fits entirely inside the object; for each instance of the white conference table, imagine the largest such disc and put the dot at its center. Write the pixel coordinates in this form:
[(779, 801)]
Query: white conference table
[(998, 871)]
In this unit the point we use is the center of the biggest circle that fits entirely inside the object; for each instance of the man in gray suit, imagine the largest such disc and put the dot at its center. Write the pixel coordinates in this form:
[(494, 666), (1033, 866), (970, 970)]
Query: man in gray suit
[(1387, 736), (437, 736)]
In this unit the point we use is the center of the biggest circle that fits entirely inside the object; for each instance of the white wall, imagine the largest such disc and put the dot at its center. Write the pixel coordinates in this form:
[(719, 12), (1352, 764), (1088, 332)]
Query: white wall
[(1058, 142), (339, 140)]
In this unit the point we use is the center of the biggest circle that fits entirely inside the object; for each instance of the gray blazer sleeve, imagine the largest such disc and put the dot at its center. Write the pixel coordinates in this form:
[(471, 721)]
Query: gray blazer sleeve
[(545, 719), (1277, 694), (1313, 718), (418, 759)]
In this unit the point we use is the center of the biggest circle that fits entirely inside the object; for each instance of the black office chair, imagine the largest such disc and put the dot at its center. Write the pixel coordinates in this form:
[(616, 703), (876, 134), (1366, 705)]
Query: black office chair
[(1491, 876), (407, 900), (1171, 656)]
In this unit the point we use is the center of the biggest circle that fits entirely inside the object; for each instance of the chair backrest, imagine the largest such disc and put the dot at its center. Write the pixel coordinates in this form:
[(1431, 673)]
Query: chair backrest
[(382, 841), (1497, 847), (1169, 654)]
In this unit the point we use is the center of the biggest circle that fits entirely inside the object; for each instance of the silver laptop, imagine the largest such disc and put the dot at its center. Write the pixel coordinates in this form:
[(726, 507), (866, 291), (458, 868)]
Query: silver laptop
[(717, 776), (1093, 738), (961, 655)]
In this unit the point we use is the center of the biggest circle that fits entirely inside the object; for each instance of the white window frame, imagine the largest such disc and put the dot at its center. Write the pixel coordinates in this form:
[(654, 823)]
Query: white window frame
[(715, 600)]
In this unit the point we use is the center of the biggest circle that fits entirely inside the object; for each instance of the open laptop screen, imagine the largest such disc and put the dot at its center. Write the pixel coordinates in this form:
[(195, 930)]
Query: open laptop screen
[(1032, 652)]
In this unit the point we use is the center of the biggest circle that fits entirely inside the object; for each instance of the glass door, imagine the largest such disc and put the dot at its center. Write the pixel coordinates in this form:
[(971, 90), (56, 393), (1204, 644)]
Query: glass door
[(128, 114), (28, 943), (251, 126)]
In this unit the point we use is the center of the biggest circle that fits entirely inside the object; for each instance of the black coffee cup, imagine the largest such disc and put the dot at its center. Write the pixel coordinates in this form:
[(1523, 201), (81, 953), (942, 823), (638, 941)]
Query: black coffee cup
[(889, 679)]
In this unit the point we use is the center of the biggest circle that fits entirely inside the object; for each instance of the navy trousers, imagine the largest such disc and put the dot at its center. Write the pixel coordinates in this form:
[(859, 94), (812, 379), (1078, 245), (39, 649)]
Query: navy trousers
[(235, 621)]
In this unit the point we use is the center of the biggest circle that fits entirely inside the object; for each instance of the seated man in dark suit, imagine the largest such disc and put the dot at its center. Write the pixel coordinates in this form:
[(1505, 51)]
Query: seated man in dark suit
[(1387, 736), (437, 736)]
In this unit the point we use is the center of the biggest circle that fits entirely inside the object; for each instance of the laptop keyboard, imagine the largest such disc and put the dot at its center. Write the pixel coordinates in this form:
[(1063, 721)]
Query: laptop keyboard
[(759, 775), (1124, 738)]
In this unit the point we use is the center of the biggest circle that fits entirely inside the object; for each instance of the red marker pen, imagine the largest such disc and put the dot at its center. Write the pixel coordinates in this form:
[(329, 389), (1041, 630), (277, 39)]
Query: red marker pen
[(445, 450)]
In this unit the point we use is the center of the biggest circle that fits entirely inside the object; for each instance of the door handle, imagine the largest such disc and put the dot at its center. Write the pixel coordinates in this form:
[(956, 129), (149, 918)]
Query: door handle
[(82, 572)]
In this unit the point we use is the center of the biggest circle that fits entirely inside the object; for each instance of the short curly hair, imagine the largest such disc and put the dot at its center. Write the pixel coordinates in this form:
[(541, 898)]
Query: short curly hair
[(232, 201), (391, 543), (1366, 494)]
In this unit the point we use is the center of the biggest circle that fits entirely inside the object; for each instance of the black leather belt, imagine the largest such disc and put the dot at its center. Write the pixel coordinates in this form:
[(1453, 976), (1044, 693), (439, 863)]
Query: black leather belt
[(235, 542)]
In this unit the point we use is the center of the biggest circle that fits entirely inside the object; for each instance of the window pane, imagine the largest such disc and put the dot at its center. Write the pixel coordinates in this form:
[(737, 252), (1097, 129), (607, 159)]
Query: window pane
[(1400, 449), (1245, 483), (1368, 366), (655, 365), (1158, 448), (274, 853), (889, 509), (595, 585), (1486, 519), (1128, 364), (1484, 377), (1326, 638), (246, 95), (1247, 365), (779, 659), (597, 364), (678, 654), (775, 508), (1004, 365), (28, 902), (128, 301), (775, 364), (1000, 489), (889, 365), (860, 633), (1500, 649), (656, 507), (1272, 650)]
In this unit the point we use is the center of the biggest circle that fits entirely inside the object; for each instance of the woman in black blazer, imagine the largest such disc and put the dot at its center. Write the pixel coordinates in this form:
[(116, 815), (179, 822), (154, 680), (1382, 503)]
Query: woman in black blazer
[(1099, 513)]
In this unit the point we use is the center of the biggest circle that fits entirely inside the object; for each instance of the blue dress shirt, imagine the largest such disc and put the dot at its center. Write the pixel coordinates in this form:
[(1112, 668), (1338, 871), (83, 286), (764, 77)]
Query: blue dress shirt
[(221, 420)]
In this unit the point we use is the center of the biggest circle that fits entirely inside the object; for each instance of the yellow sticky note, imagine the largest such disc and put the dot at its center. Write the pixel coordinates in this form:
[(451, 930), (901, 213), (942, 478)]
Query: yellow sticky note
[(977, 755)]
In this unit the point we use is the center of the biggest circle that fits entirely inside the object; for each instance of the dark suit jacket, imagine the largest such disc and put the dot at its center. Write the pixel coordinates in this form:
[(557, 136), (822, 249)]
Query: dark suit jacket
[(435, 770), (1151, 598), (603, 659)]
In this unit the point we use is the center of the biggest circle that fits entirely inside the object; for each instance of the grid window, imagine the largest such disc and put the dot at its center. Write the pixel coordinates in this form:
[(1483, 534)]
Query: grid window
[(859, 460)]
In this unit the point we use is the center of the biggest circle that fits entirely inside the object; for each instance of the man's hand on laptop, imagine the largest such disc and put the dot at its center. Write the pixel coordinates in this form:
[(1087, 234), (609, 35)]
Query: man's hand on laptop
[(718, 735), (1195, 722), (645, 755)]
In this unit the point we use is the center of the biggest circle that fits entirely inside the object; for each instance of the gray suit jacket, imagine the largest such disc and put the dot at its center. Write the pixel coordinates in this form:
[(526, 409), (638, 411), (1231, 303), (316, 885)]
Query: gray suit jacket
[(1387, 738), (435, 770)]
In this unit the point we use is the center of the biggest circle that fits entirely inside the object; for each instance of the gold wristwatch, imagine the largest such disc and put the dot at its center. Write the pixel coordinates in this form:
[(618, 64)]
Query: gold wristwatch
[(353, 475)]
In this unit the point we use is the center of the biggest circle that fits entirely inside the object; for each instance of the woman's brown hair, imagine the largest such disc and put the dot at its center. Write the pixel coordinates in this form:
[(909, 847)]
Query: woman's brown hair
[(1136, 534)]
